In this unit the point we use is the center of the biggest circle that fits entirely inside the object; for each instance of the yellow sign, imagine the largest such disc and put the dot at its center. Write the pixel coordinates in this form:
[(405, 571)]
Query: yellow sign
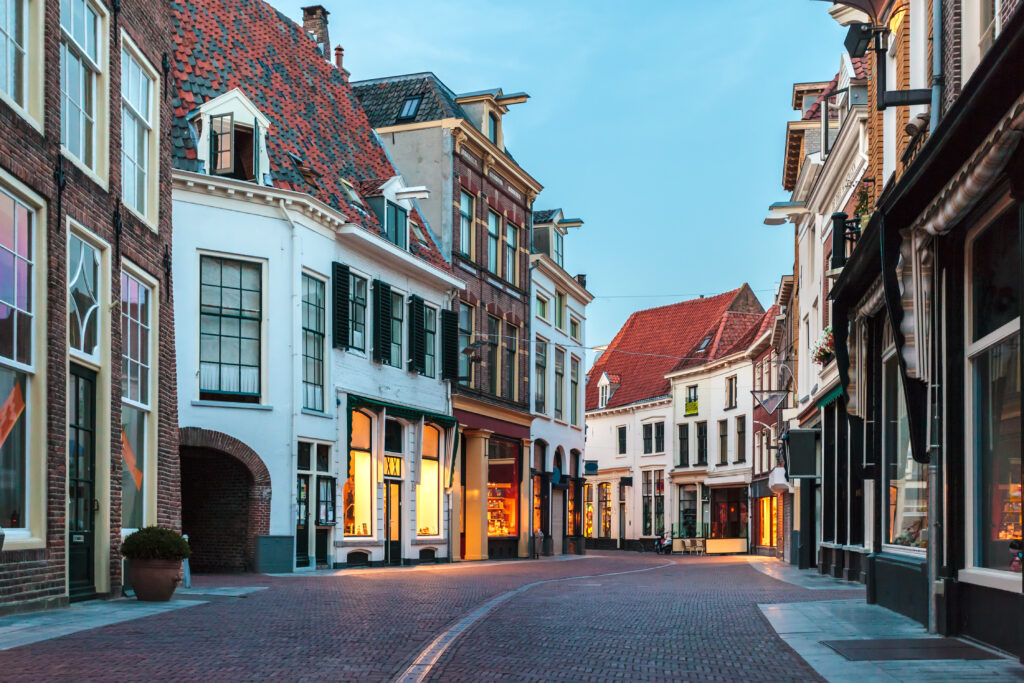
[(691, 408)]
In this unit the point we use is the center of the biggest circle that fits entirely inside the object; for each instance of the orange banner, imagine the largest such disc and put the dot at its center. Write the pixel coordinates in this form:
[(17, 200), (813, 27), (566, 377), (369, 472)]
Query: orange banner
[(129, 459), (11, 410)]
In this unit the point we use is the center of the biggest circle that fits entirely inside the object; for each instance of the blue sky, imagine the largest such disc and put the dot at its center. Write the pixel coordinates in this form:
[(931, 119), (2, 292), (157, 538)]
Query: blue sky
[(661, 124)]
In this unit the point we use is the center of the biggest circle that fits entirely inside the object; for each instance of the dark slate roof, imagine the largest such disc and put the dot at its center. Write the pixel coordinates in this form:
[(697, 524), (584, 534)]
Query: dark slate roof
[(221, 45), (544, 215), (382, 99)]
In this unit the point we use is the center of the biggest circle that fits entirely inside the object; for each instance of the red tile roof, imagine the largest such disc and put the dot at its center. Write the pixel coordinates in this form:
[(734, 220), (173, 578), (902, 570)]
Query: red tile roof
[(221, 45), (653, 341)]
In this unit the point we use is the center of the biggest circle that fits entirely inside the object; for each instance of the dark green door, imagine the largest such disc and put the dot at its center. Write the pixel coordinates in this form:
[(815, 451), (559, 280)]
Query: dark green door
[(392, 521), (82, 504), (302, 522)]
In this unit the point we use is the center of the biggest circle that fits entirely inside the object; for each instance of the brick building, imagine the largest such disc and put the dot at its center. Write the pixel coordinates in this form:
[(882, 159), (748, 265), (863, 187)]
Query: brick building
[(481, 203), (85, 305)]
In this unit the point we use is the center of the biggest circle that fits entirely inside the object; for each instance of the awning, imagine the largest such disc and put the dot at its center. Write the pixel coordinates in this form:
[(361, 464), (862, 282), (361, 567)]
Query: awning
[(834, 393)]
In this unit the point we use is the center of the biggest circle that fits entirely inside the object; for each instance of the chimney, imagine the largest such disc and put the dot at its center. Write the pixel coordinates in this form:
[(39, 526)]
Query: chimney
[(339, 55), (314, 22), (582, 279)]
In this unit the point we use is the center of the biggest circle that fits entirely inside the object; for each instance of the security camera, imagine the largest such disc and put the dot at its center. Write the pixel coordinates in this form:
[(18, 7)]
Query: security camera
[(918, 125)]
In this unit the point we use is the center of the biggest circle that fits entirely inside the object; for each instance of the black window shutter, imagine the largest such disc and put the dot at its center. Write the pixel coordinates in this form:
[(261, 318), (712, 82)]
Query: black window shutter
[(381, 322), (450, 345), (417, 335), (340, 281)]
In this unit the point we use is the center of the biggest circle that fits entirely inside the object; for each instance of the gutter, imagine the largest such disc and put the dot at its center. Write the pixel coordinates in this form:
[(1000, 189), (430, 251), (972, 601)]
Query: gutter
[(296, 358), (938, 77)]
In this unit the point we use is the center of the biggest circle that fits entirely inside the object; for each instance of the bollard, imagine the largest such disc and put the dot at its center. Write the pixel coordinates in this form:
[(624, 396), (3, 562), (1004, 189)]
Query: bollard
[(186, 581)]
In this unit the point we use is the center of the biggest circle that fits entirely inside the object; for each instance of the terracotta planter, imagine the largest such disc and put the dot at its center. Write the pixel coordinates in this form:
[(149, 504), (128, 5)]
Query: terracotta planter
[(154, 580)]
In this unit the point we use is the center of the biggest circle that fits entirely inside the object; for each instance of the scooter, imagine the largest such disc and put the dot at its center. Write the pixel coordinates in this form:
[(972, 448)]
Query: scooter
[(663, 545)]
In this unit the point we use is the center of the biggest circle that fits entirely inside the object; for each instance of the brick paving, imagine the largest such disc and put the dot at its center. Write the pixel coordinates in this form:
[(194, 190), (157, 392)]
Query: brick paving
[(696, 620)]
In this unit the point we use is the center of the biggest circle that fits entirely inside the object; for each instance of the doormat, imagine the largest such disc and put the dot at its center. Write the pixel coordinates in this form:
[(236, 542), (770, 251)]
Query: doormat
[(892, 649)]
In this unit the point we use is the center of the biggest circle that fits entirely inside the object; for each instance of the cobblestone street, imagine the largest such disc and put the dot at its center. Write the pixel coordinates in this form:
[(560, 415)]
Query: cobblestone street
[(620, 616)]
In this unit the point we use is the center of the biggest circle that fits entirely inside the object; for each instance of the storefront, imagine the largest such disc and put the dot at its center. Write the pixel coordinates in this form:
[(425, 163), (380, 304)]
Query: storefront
[(686, 524), (766, 517), (728, 520), (503, 469)]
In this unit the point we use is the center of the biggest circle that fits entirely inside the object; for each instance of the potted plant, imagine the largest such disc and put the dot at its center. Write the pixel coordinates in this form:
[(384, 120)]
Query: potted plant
[(825, 350), (154, 562)]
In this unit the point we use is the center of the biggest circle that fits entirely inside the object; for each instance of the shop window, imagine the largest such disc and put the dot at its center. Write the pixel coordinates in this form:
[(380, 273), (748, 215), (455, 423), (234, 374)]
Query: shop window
[(502, 488), (84, 310), (325, 501), (428, 491), (359, 485), (906, 480), (768, 521), (570, 502), (230, 310), (659, 502), (588, 510), (538, 483), (994, 400), (314, 335), (729, 513), (604, 504), (540, 387), (136, 301), (646, 495), (687, 511)]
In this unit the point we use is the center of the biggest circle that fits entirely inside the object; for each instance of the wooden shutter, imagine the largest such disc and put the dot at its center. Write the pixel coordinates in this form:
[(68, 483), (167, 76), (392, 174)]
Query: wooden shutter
[(256, 151), (381, 322), (341, 280), (417, 335), (450, 345)]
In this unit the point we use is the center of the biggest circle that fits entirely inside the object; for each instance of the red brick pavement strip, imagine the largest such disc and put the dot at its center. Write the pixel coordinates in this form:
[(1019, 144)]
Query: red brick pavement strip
[(373, 625)]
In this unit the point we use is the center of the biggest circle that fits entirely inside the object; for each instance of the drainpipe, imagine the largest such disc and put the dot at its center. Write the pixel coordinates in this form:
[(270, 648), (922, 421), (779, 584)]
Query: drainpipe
[(296, 346), (938, 78)]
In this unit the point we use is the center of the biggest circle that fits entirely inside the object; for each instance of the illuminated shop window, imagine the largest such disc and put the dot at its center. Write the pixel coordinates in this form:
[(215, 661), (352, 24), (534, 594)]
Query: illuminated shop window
[(428, 496), (358, 490)]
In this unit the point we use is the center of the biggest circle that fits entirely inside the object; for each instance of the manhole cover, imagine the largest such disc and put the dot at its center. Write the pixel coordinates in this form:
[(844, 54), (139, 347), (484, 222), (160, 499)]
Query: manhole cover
[(890, 649)]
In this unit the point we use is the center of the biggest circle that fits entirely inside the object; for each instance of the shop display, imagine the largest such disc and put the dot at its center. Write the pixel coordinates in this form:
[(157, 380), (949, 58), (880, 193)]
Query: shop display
[(501, 510)]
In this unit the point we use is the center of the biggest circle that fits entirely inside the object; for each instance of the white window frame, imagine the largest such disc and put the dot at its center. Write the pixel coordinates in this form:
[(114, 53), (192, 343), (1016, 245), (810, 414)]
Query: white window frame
[(97, 168), (100, 247), (324, 354), (150, 211), (618, 453)]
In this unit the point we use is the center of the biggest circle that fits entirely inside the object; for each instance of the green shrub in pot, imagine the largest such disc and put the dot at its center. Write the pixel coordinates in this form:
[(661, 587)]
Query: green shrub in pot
[(154, 561)]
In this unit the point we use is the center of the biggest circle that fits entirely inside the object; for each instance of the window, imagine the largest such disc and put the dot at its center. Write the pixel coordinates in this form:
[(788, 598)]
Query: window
[(397, 318), (559, 383), (542, 308), (574, 328), (502, 487), (659, 437), (603, 394), (588, 510), (729, 513), (396, 225), (235, 148), (492, 130), (465, 339), (357, 493), (647, 502), (357, 312), (648, 435), (410, 106), (560, 310), (493, 238), (691, 406), (570, 516), (314, 326), (136, 301), (466, 225), (683, 457), (428, 490), (659, 502), (993, 356), (511, 271), (990, 23), (905, 479), (493, 362), (604, 506), (510, 366), (430, 341), (768, 521), (230, 318), (622, 440), (702, 443), (730, 392), (558, 248), (741, 439), (574, 391), (79, 74), (688, 511), (723, 442), (540, 371), (137, 121), (84, 310), (13, 24), (17, 272)]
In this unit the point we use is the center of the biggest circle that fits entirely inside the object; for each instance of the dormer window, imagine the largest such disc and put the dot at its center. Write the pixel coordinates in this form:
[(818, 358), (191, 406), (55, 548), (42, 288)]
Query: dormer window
[(351, 196), (410, 107), (492, 131), (234, 150), (704, 344), (558, 248), (603, 394), (397, 225)]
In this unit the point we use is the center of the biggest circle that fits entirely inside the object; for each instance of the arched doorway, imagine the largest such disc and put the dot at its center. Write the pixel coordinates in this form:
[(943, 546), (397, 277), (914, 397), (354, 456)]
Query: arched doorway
[(225, 500)]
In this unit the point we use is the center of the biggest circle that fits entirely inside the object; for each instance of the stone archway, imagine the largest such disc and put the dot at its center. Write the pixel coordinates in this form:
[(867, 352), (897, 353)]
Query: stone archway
[(225, 499)]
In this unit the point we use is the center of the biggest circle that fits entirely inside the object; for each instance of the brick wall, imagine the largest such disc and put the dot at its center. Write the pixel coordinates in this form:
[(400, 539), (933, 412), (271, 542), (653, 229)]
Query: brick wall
[(32, 158), (215, 491), (511, 304)]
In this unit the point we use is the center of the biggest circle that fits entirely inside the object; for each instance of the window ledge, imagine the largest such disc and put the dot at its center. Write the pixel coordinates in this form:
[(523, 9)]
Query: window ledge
[(22, 112), (991, 578), (146, 220), (231, 404), (95, 177), (427, 540), (360, 542), (316, 413), (19, 539)]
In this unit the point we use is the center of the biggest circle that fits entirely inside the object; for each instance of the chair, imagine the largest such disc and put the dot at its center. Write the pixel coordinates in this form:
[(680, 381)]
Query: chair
[(698, 545)]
